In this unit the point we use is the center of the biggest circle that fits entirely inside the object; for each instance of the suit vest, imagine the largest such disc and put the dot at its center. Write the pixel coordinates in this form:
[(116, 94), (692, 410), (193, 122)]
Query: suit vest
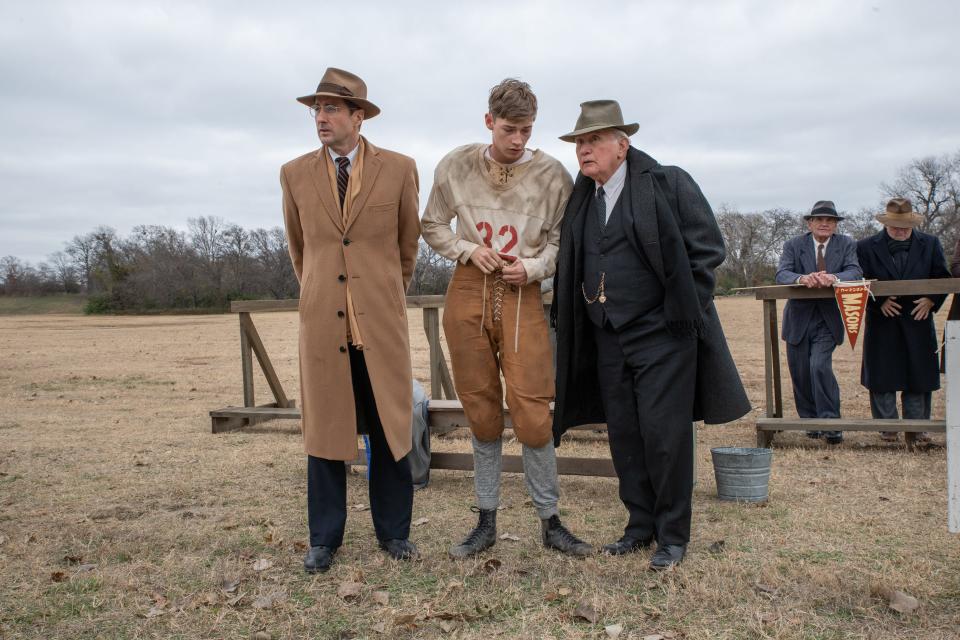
[(631, 287)]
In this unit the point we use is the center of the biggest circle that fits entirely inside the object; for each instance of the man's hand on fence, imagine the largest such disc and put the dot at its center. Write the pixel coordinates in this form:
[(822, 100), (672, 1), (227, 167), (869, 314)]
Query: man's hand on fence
[(921, 308), (891, 308)]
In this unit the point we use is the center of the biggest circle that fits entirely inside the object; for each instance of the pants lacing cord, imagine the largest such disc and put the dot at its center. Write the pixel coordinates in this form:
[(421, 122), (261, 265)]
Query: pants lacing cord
[(499, 289)]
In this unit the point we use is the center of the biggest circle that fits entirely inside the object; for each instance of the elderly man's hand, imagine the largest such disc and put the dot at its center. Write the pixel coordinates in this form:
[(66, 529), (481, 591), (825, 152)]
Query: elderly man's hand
[(921, 308), (890, 307), (486, 259), (817, 280), (515, 273)]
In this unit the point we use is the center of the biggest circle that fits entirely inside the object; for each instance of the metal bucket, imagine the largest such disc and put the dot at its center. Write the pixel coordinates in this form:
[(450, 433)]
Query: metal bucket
[(742, 473)]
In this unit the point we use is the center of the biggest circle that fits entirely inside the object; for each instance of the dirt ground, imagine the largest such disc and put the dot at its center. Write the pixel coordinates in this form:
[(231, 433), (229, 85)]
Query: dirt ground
[(122, 516)]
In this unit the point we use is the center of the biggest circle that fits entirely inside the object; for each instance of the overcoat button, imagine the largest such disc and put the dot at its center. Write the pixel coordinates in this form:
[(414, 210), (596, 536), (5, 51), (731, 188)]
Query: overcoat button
[(339, 314), (343, 349), (341, 277), (346, 241)]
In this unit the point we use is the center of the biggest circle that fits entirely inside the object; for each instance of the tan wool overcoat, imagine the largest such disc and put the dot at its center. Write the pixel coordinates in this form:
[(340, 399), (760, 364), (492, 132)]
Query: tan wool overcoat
[(375, 251)]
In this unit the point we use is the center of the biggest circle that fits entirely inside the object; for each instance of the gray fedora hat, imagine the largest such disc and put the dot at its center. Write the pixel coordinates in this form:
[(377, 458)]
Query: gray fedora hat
[(599, 114), (823, 209), (337, 83)]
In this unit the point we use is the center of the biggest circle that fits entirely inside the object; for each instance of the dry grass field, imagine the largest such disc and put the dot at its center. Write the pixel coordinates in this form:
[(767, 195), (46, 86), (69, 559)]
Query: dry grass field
[(122, 516)]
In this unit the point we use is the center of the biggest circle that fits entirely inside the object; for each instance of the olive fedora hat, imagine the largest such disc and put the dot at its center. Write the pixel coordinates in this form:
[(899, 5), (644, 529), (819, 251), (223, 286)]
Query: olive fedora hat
[(900, 213), (596, 115), (337, 83)]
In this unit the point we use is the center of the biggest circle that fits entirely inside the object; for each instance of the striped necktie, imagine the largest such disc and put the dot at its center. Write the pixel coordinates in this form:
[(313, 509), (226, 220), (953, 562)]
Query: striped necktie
[(342, 177)]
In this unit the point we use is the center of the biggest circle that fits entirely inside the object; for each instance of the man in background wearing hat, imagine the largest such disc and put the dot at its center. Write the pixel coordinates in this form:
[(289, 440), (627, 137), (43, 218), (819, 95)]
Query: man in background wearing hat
[(813, 328), (900, 339), (351, 215), (507, 201), (639, 342)]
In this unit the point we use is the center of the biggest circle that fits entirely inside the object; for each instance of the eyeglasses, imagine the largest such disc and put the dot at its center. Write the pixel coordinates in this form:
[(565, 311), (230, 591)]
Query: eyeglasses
[(328, 109)]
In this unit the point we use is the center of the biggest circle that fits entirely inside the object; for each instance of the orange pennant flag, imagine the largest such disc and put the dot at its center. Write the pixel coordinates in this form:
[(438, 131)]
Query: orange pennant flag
[(852, 300)]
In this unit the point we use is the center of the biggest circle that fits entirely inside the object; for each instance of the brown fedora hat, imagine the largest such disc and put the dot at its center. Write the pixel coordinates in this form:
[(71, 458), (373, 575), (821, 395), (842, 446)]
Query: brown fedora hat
[(337, 83), (823, 209), (599, 114), (900, 213)]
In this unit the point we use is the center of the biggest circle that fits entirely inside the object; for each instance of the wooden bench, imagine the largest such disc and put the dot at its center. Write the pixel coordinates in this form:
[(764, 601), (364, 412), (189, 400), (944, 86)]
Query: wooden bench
[(768, 427)]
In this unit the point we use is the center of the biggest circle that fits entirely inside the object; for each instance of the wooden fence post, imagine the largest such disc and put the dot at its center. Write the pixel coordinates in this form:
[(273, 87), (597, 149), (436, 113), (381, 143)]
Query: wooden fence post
[(952, 346), (246, 361)]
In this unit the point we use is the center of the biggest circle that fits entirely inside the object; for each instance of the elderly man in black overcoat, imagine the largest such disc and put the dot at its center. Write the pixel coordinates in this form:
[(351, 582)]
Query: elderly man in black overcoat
[(899, 337), (639, 343)]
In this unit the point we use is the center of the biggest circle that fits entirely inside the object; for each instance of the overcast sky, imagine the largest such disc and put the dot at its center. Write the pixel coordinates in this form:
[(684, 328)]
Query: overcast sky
[(127, 113)]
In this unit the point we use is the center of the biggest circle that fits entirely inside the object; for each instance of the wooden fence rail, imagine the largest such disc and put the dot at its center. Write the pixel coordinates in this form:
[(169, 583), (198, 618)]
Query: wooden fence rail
[(446, 412), (774, 421)]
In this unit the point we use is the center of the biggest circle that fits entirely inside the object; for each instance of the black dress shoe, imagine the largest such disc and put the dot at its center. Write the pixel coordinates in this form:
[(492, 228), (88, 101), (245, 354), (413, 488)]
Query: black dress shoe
[(667, 555), (833, 437), (626, 544), (318, 559), (400, 549), (815, 435)]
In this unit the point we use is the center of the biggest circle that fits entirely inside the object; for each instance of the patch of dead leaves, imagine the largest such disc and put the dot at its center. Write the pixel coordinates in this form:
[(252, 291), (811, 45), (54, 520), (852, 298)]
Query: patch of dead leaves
[(510, 536), (262, 564), (587, 610), (349, 590), (420, 522), (381, 597), (229, 584), (897, 600)]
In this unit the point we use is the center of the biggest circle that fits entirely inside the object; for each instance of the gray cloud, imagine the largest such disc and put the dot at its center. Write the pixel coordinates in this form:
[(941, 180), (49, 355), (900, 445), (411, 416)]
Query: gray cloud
[(152, 113)]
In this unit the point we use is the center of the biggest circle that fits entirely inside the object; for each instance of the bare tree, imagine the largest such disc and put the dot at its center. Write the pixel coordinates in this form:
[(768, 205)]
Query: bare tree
[(65, 272), (932, 185), (754, 242)]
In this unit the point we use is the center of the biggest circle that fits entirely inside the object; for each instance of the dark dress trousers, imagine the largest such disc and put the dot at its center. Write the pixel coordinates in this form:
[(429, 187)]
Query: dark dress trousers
[(813, 329), (390, 483), (617, 362), (900, 353)]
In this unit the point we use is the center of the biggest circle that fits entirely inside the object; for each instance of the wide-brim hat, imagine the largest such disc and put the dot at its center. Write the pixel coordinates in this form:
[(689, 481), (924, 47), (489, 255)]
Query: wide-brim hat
[(900, 213), (596, 115), (337, 83), (823, 209)]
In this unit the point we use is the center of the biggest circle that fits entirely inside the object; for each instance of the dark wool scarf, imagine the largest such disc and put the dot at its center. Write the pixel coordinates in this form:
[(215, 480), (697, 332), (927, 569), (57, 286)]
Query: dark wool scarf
[(682, 303)]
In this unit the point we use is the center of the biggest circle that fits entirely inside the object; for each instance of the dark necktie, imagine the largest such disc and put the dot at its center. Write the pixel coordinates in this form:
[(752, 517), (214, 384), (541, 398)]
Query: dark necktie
[(601, 201), (342, 177), (821, 263)]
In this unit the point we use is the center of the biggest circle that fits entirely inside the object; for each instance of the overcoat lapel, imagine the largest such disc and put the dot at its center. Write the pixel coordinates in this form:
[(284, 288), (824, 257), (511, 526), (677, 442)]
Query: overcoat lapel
[(883, 254), (371, 168), (318, 171), (915, 262), (640, 221)]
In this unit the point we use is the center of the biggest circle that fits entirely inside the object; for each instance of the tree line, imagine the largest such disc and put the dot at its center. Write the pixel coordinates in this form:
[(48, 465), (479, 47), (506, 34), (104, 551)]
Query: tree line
[(754, 240), (213, 261)]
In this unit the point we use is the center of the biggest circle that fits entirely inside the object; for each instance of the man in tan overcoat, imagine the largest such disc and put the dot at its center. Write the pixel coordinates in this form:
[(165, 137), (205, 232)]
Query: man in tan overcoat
[(351, 215)]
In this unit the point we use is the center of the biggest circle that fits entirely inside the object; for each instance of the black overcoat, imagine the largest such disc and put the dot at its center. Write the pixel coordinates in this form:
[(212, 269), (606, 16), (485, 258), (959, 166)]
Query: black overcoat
[(720, 396), (900, 353)]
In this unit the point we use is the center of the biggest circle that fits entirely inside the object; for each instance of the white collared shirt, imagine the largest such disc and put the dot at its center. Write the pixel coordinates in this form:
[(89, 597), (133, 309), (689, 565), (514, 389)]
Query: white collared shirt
[(613, 187), (350, 156)]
